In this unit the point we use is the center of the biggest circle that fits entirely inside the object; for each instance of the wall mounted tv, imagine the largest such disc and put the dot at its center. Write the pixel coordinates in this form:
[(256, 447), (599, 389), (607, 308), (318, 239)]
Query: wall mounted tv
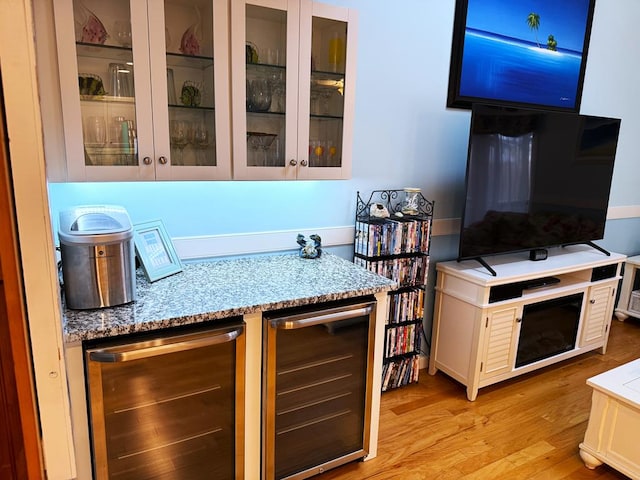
[(535, 179)]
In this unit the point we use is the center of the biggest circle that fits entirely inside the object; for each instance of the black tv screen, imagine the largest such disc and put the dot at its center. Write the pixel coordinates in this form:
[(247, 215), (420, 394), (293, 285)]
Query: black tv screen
[(535, 179)]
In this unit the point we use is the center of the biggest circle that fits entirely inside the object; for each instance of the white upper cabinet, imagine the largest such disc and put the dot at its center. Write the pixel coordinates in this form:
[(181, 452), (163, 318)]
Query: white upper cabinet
[(144, 88), (293, 77), (153, 89)]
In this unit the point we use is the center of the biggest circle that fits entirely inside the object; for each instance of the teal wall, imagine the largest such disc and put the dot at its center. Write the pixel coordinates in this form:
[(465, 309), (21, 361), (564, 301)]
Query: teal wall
[(403, 135)]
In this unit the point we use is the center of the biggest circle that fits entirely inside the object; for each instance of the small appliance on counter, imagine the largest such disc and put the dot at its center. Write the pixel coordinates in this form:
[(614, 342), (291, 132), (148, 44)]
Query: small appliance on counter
[(98, 258)]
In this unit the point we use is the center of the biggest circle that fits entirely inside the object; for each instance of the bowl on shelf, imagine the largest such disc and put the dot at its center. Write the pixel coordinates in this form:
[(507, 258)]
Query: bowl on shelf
[(90, 84), (262, 140)]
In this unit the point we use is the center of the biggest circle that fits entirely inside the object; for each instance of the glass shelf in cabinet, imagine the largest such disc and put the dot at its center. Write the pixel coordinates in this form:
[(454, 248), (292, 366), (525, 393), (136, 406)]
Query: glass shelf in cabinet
[(187, 107), (103, 52), (264, 68), (266, 114), (188, 61), (110, 156), (321, 118), (107, 99)]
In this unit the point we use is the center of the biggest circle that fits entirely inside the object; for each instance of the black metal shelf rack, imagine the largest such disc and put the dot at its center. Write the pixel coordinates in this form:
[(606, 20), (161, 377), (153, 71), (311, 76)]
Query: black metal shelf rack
[(397, 247)]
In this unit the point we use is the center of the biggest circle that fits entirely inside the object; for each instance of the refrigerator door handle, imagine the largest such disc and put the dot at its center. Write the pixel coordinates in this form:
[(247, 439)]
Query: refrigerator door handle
[(316, 318), (137, 351)]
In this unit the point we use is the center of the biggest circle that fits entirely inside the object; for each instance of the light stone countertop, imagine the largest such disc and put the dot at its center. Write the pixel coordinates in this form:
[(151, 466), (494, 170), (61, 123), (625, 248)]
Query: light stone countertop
[(219, 289)]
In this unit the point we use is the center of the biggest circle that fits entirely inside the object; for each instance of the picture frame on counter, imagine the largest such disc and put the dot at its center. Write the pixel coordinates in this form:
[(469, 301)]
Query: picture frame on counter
[(509, 53), (155, 250)]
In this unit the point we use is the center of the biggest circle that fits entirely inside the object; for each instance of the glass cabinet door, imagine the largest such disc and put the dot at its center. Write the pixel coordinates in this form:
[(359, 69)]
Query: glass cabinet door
[(138, 86), (264, 84), (327, 115), (105, 83), (292, 104), (189, 56)]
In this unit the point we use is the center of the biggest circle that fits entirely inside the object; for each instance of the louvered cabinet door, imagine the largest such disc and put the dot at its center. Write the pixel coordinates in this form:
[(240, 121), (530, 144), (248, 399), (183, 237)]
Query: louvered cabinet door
[(598, 314), (499, 342)]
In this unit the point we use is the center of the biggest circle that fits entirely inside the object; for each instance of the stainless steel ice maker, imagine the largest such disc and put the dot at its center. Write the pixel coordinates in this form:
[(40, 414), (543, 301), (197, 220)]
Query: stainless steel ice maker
[(98, 257)]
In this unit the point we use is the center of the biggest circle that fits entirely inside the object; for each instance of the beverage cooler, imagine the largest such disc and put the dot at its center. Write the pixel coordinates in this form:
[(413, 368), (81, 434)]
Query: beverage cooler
[(168, 405), (317, 386)]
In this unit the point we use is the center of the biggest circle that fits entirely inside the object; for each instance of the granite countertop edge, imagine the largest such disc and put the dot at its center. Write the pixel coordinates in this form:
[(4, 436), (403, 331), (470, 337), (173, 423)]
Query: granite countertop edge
[(222, 289)]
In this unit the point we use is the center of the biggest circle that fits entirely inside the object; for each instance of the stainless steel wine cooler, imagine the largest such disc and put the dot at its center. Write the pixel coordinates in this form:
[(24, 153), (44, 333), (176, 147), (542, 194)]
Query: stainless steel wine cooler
[(317, 387), (168, 406)]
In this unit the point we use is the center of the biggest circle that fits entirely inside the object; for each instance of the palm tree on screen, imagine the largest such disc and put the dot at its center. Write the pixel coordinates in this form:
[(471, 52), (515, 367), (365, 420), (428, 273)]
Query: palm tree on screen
[(533, 20)]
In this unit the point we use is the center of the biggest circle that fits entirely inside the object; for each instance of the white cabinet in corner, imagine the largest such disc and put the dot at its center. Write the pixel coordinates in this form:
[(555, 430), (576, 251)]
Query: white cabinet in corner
[(487, 328), (144, 89)]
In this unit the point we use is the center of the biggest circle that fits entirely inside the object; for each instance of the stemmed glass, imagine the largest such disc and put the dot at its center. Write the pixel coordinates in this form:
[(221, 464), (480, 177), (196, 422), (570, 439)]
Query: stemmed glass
[(317, 151), (277, 92), (201, 140), (180, 135), (260, 141)]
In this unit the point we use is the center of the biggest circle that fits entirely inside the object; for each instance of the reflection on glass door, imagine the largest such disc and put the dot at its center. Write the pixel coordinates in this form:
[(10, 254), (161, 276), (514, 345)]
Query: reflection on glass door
[(328, 56), (105, 81), (190, 82), (265, 86)]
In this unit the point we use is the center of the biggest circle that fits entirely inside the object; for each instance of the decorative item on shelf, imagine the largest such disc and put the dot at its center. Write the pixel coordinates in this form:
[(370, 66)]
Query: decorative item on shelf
[(251, 53), (191, 94), (89, 28), (90, 84), (411, 201), (378, 210), (190, 43), (336, 53), (311, 248)]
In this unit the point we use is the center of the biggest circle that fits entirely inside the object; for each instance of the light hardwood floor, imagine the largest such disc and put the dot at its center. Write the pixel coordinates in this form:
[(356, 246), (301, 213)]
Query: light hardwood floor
[(525, 428)]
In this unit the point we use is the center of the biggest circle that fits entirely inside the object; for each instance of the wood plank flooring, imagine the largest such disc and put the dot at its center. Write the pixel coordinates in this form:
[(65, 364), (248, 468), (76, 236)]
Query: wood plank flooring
[(525, 428)]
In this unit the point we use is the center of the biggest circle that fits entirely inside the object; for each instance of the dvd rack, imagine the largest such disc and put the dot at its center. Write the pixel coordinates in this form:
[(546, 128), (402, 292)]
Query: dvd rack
[(396, 245)]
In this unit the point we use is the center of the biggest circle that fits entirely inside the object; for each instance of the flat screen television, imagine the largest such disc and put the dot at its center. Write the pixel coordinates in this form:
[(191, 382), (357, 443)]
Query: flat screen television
[(535, 179)]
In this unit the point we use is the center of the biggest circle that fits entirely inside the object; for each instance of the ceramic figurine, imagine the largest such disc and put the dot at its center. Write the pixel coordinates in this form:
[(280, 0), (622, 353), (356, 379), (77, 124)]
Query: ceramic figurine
[(378, 210), (311, 248)]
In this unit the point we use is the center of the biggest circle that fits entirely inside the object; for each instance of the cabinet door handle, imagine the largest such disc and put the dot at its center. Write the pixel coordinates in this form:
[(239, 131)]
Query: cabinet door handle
[(163, 160), (592, 301), (293, 162), (303, 163), (146, 160), (518, 320)]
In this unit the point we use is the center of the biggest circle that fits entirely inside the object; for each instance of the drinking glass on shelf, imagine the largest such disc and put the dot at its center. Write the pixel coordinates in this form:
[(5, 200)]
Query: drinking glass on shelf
[(317, 154), (95, 131), (180, 132), (277, 92), (123, 32), (171, 88), (332, 154), (202, 141)]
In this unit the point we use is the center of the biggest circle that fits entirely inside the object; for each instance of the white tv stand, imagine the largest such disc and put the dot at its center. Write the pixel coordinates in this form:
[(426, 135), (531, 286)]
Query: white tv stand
[(478, 317)]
